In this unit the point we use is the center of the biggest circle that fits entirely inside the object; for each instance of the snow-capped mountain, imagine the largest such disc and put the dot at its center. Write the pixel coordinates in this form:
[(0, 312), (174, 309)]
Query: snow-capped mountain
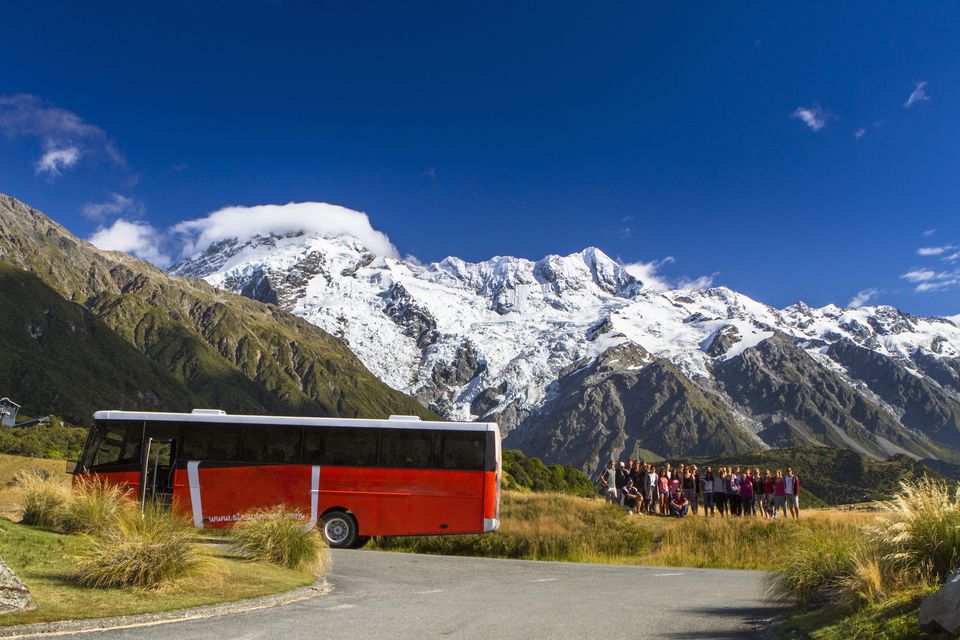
[(501, 338)]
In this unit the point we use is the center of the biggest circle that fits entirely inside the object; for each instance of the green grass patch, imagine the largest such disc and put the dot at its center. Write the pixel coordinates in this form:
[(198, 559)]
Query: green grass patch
[(893, 619), (45, 562)]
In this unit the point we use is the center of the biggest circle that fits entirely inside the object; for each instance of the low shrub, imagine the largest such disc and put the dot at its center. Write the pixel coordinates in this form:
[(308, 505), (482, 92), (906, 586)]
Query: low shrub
[(145, 549), (93, 505), (279, 536), (813, 564), (44, 498), (919, 529)]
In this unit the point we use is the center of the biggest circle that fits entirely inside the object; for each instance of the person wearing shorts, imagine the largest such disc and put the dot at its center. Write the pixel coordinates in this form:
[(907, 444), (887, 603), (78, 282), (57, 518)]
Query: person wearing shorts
[(608, 479), (779, 495), (791, 488), (768, 482)]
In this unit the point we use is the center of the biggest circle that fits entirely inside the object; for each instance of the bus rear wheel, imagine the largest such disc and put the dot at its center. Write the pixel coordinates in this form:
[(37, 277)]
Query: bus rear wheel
[(340, 529)]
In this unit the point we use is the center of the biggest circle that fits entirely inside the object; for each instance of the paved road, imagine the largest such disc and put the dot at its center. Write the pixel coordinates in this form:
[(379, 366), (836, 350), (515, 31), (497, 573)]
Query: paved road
[(381, 595)]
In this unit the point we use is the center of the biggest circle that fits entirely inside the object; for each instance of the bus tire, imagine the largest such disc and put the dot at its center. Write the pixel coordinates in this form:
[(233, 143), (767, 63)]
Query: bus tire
[(361, 541), (340, 529)]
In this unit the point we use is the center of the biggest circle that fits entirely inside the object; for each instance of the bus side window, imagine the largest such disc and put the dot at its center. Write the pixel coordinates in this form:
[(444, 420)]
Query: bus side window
[(341, 446), (263, 443), (116, 443), (461, 450), (211, 442), (406, 448)]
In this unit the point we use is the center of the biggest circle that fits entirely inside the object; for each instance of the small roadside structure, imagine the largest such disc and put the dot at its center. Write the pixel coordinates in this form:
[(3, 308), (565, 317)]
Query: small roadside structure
[(8, 412)]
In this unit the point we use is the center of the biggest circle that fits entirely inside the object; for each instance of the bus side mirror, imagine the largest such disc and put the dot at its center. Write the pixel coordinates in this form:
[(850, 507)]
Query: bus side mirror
[(71, 466)]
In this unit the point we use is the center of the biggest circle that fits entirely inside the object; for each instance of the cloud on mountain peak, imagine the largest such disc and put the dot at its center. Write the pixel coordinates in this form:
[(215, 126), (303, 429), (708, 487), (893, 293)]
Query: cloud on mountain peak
[(281, 219)]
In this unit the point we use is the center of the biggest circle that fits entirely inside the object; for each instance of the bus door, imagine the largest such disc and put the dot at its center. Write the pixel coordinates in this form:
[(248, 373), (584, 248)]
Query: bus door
[(158, 464)]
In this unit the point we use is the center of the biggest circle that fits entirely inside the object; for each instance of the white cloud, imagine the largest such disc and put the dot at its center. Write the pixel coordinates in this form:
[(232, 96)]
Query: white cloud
[(703, 282), (935, 251), (281, 219), (948, 282), (648, 274), (65, 136), (117, 204), (919, 94), (52, 162), (928, 232), (863, 297), (136, 238), (919, 275), (927, 280), (814, 117), (859, 133)]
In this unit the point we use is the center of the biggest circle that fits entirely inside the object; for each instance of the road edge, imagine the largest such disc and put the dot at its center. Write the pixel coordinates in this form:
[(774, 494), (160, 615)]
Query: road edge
[(63, 627)]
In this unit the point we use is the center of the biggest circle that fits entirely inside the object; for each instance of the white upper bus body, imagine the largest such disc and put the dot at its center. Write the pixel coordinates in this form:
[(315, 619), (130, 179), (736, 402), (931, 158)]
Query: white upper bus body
[(216, 416)]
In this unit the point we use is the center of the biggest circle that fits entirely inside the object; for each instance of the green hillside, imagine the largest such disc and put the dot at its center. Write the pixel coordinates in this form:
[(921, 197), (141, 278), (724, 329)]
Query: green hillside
[(58, 358), (186, 343)]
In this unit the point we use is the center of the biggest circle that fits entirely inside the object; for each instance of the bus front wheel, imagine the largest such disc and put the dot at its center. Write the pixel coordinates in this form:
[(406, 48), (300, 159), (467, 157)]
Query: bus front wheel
[(340, 529)]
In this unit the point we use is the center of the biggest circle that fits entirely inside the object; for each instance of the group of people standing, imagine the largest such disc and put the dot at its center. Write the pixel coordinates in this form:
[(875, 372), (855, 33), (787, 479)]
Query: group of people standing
[(642, 488)]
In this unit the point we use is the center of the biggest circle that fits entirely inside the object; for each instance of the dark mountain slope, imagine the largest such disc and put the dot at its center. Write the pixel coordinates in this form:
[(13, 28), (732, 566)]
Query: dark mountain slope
[(58, 357), (626, 401), (232, 352), (924, 405), (799, 402)]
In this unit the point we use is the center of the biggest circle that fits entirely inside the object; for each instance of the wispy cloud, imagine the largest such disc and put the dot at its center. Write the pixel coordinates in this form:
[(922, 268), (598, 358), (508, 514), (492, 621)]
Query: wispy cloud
[(814, 117), (928, 280), (65, 137), (863, 297), (136, 238), (116, 205), (54, 161), (649, 274), (919, 94), (929, 232), (935, 251), (859, 133)]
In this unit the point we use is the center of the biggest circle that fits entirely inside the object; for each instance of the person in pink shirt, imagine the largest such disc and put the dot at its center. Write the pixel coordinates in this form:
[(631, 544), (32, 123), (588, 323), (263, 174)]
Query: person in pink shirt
[(664, 487), (779, 494)]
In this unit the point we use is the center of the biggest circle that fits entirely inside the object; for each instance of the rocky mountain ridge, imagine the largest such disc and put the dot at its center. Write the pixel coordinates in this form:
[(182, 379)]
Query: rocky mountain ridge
[(535, 345)]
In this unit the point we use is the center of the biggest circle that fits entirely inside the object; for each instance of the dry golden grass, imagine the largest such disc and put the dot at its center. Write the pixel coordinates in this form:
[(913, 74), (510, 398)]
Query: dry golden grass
[(546, 526), (11, 495), (746, 543)]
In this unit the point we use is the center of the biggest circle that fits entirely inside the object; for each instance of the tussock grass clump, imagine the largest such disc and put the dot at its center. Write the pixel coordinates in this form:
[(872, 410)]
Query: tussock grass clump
[(815, 563), (43, 498), (147, 550), (93, 505), (279, 536), (912, 544), (919, 530)]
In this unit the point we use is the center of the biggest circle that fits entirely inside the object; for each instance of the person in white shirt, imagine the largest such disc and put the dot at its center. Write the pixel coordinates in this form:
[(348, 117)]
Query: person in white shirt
[(791, 486)]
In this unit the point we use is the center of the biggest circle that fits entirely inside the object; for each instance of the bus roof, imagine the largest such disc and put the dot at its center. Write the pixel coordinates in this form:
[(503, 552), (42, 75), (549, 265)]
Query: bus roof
[(204, 416)]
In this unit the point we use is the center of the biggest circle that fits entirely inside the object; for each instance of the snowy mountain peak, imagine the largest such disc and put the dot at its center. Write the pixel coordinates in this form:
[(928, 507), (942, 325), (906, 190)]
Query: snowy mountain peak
[(492, 337)]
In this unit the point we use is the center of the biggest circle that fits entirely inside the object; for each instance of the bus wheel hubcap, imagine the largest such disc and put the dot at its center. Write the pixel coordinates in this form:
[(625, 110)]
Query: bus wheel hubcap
[(336, 530)]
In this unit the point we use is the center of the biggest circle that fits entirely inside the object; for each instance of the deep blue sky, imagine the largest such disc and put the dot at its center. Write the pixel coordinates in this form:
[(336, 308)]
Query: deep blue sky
[(522, 129)]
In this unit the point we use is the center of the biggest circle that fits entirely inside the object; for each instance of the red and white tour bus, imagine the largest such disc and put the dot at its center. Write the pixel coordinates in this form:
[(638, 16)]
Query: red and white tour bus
[(358, 478)]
